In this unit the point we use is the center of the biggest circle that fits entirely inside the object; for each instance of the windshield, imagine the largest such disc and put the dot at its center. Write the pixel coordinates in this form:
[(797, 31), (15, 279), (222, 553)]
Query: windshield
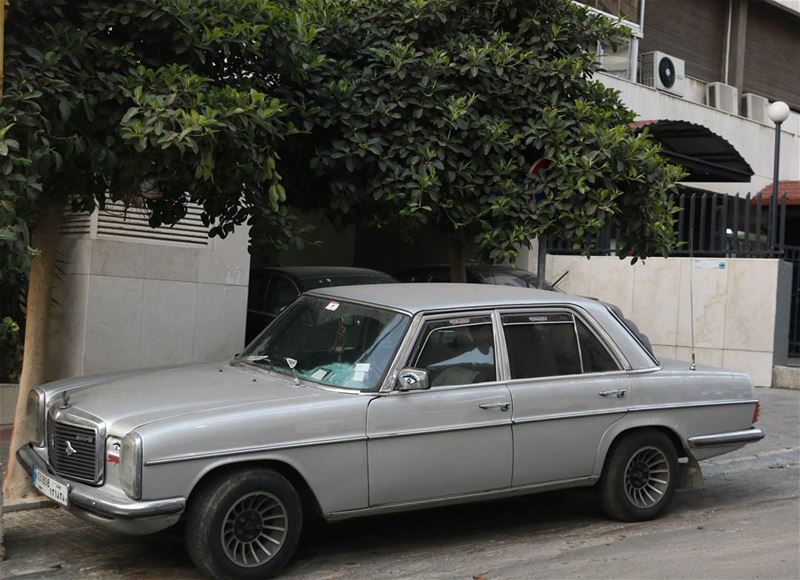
[(330, 342)]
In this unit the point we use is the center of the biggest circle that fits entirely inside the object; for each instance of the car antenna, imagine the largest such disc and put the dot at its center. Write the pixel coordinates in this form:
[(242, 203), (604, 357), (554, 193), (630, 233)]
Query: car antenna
[(693, 364), (564, 275)]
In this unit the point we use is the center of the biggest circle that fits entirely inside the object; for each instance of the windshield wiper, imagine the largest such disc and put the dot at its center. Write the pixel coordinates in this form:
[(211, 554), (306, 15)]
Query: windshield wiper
[(256, 359)]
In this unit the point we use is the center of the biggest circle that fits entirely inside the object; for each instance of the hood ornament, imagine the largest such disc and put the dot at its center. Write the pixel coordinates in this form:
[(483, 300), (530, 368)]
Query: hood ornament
[(65, 400)]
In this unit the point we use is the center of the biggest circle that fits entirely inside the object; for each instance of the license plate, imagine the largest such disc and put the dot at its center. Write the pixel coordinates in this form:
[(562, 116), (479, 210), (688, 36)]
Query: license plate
[(55, 490)]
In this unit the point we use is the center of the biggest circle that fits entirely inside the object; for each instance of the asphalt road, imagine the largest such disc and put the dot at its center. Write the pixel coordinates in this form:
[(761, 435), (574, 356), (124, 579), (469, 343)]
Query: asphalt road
[(744, 524)]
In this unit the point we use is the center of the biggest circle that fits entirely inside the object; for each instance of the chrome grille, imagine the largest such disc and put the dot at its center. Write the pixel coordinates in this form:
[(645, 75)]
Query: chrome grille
[(74, 451)]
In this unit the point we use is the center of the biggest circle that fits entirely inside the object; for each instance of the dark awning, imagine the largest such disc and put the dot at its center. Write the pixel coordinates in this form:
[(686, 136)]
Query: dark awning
[(700, 151)]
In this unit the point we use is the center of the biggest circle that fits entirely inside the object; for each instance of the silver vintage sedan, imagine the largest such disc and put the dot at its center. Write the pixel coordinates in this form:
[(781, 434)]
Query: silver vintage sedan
[(369, 399)]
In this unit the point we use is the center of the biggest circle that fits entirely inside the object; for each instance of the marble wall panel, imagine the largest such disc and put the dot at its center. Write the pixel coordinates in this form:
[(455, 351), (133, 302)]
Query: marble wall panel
[(114, 258), (113, 324), (168, 313), (709, 280), (219, 322), (756, 364), (750, 305), (655, 299)]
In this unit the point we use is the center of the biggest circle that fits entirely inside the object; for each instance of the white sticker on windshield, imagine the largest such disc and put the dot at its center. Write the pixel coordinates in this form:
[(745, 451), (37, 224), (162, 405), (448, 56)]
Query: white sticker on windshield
[(332, 306), (363, 367)]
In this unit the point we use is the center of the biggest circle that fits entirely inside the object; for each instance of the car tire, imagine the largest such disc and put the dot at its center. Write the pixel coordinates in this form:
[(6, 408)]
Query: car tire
[(639, 476), (245, 524)]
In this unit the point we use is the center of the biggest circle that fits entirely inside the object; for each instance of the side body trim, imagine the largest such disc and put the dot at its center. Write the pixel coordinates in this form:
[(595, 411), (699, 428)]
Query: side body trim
[(640, 408), (249, 450), (466, 498)]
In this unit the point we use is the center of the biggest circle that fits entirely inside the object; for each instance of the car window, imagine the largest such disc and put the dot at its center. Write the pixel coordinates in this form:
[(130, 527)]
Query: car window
[(596, 359), (458, 351), (280, 294), (506, 279), (541, 345), (330, 342), (256, 293), (439, 276)]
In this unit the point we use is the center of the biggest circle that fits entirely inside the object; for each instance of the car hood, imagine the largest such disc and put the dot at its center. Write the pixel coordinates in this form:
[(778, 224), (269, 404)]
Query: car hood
[(128, 400)]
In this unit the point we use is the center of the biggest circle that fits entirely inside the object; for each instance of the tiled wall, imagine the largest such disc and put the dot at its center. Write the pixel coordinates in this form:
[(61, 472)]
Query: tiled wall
[(122, 305), (736, 302)]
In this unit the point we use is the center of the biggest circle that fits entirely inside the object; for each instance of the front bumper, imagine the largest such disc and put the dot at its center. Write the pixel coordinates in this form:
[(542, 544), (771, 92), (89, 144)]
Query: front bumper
[(98, 502)]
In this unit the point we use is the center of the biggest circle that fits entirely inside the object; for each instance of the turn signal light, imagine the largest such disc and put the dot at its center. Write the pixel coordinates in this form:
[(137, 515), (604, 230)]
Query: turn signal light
[(757, 412)]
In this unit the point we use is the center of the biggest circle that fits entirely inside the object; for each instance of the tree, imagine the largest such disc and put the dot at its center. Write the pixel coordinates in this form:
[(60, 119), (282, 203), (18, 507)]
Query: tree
[(107, 100), (430, 113)]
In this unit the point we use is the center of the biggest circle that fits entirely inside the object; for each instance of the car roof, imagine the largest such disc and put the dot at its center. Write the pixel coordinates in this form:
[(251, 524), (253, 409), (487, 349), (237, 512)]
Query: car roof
[(418, 297), (415, 298)]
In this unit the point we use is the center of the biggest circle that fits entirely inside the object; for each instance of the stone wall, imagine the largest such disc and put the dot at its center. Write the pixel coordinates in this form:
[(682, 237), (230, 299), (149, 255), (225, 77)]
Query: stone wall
[(122, 304), (740, 305)]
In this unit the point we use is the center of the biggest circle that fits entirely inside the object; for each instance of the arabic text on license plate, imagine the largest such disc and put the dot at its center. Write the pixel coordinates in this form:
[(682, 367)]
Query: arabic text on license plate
[(53, 489)]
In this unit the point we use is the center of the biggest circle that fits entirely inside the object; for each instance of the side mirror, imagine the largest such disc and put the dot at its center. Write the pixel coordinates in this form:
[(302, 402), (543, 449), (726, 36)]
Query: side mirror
[(413, 380)]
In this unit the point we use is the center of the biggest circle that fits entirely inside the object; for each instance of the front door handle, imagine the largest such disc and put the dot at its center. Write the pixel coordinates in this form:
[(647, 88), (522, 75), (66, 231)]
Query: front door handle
[(502, 406), (618, 392)]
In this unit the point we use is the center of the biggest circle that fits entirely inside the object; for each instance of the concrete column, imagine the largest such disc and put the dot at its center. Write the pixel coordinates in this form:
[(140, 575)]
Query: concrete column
[(736, 44)]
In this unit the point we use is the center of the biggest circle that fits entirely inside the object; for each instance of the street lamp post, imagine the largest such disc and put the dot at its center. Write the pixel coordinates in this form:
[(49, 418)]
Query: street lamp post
[(778, 113)]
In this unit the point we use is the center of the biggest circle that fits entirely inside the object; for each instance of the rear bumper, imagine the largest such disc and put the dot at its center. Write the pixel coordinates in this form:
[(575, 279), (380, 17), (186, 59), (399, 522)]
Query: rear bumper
[(728, 438), (95, 500)]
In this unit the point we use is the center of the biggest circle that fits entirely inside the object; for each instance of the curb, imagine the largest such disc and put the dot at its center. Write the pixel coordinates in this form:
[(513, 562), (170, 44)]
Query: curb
[(19, 505)]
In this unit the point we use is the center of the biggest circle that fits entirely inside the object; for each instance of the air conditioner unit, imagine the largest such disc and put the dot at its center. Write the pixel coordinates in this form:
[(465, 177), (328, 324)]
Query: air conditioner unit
[(662, 71), (755, 107), (723, 97)]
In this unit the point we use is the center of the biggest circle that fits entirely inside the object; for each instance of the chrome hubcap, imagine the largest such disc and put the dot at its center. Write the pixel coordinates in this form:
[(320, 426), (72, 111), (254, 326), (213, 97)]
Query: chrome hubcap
[(647, 477), (254, 529)]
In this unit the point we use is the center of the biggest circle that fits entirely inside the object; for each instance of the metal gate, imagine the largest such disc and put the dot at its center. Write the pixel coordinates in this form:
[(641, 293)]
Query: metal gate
[(792, 255), (718, 225)]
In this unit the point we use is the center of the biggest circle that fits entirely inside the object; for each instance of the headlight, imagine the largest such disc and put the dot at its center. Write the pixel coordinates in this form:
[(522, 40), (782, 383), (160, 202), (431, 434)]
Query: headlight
[(130, 465), (34, 417)]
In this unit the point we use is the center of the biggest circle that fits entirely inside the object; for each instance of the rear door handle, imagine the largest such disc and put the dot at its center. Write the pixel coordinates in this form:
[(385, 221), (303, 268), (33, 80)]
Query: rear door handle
[(618, 392), (502, 406)]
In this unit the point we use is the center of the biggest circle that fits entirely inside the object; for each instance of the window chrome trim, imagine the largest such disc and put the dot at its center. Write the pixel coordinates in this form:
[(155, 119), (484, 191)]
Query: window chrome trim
[(416, 332), (313, 293), (590, 322), (651, 356), (568, 377), (402, 354), (578, 314), (501, 349)]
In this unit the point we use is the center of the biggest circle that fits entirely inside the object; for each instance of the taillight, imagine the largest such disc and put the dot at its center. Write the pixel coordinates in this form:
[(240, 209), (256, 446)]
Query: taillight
[(757, 412)]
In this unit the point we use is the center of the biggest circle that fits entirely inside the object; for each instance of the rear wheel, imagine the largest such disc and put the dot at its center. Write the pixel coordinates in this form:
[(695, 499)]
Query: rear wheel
[(639, 476), (246, 525)]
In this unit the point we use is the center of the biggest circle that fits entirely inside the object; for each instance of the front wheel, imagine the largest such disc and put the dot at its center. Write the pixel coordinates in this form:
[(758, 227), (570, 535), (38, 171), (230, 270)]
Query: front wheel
[(246, 525), (639, 477)]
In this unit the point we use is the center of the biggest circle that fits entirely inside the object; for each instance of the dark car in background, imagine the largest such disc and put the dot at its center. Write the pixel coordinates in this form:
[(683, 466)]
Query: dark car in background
[(273, 289), (476, 274)]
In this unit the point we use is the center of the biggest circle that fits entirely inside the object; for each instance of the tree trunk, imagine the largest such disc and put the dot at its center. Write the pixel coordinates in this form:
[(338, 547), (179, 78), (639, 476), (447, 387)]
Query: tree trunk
[(458, 265), (541, 266), (37, 316)]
